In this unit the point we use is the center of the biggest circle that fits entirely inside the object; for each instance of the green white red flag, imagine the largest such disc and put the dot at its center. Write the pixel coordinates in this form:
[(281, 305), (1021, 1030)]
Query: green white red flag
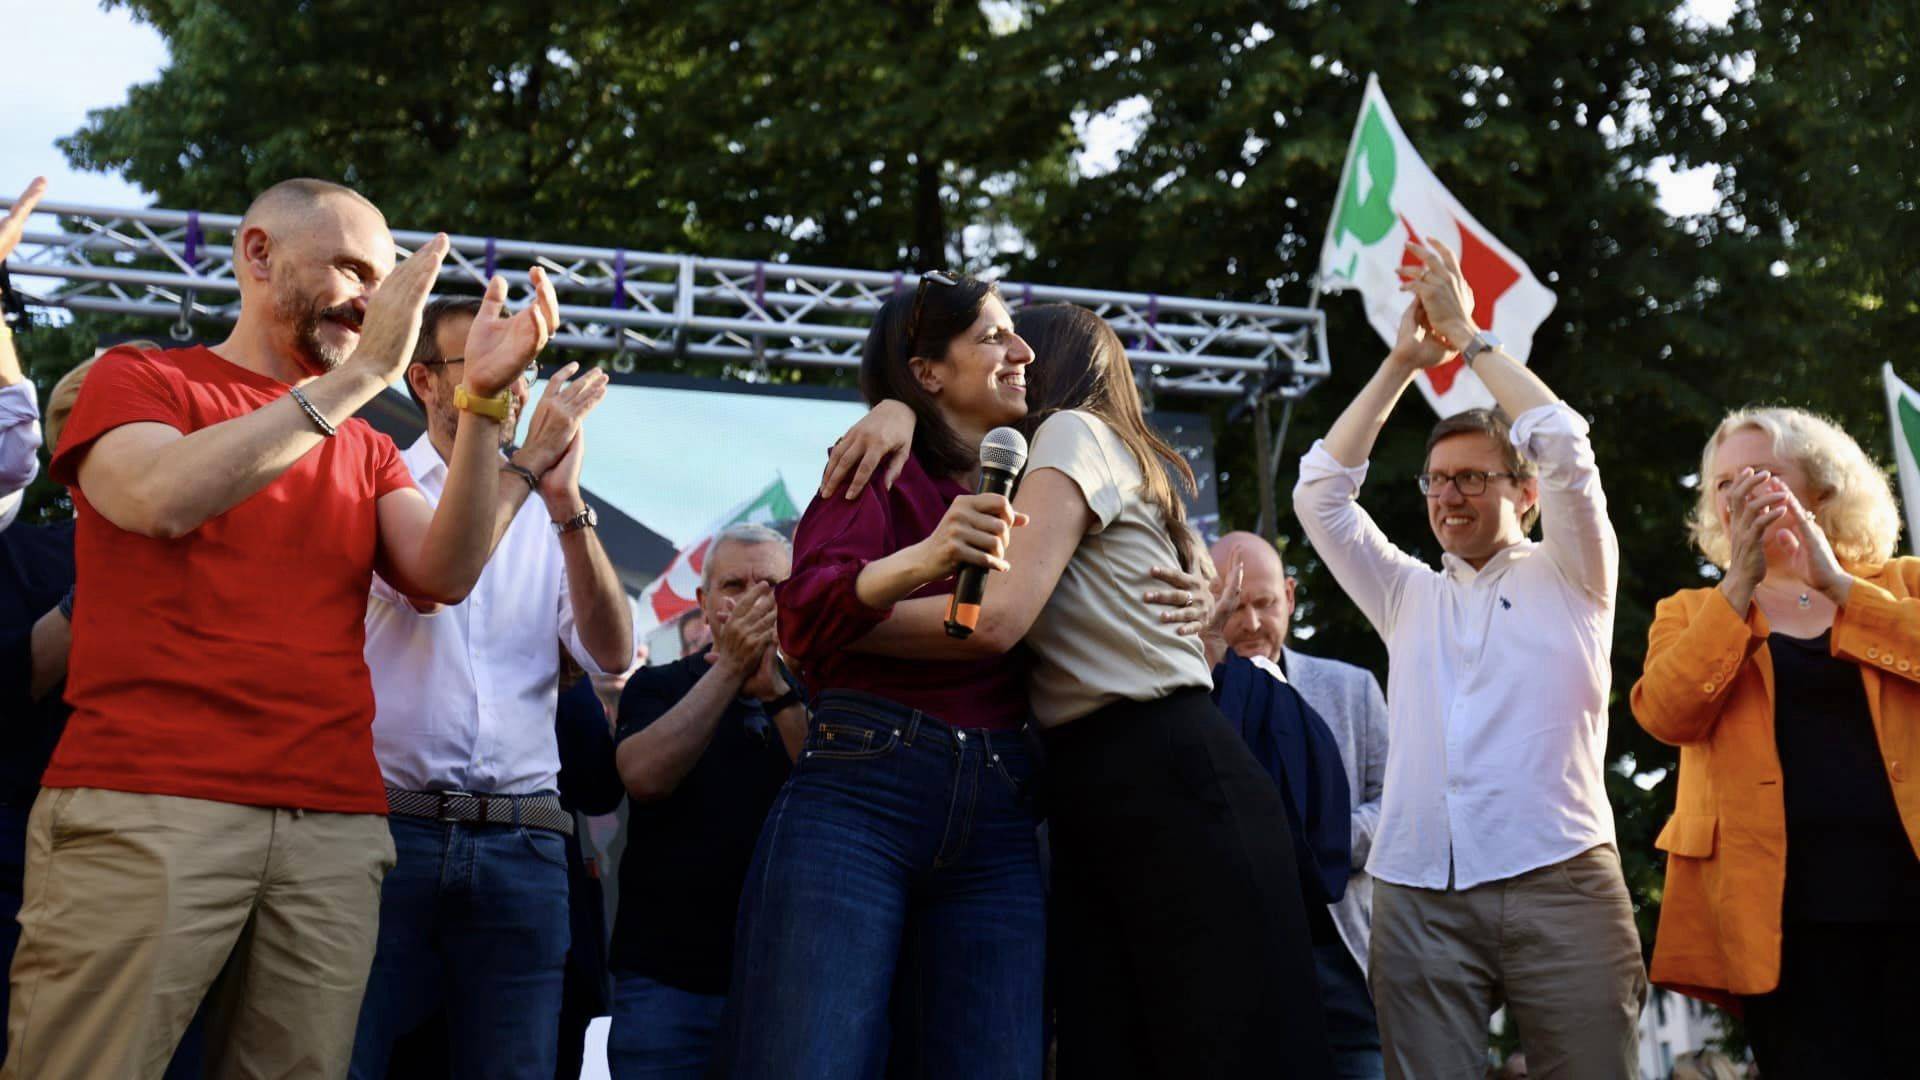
[(1903, 417), (671, 595), (1388, 196)]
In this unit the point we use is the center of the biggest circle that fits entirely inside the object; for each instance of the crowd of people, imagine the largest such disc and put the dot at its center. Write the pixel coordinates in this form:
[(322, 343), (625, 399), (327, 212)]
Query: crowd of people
[(301, 723)]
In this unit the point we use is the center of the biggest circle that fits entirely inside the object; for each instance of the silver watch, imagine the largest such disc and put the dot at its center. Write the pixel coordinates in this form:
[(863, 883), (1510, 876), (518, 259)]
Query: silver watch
[(1483, 341), (585, 519)]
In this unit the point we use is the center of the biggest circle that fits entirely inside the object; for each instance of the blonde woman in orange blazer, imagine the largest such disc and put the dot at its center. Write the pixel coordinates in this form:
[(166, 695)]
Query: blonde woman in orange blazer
[(1793, 691)]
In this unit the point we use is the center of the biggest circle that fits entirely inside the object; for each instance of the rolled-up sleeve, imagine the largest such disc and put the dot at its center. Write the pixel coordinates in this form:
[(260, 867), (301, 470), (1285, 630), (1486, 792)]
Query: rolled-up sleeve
[(820, 607), (1369, 568), (1575, 532), (19, 436)]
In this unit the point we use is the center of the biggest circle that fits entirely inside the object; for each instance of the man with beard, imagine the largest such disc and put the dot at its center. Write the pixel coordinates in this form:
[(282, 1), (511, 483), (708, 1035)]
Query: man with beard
[(214, 809), (464, 730)]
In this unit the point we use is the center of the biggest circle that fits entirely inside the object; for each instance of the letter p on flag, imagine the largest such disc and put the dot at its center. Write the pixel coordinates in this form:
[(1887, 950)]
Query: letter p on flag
[(1389, 197)]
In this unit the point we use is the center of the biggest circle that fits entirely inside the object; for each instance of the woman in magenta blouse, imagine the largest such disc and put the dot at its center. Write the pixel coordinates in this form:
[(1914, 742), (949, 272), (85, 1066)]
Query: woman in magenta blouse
[(894, 917)]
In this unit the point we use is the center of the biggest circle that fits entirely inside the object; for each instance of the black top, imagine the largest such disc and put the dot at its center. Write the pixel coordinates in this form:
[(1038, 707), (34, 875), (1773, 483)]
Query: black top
[(36, 569), (589, 782), (1848, 856), (687, 855)]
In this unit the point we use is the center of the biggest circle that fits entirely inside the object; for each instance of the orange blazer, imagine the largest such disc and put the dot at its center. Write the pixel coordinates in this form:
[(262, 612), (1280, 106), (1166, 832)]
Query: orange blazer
[(1708, 689)]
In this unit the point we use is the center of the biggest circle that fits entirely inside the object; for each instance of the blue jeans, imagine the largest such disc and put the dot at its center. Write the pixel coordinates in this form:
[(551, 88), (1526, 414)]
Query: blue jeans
[(660, 1032), (472, 917), (894, 918), (1352, 1030)]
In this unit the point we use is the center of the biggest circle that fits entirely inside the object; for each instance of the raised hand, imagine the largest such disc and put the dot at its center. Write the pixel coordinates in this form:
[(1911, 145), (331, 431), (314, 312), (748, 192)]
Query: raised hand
[(1805, 545), (1445, 299), (392, 322), (499, 347), (883, 436), (1753, 510), (766, 682), (747, 633), (1414, 345), (15, 222), (975, 531), (553, 433)]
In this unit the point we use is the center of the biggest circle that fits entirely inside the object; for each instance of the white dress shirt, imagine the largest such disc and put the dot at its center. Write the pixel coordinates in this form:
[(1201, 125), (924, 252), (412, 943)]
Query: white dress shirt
[(464, 698), (1498, 679), (19, 445)]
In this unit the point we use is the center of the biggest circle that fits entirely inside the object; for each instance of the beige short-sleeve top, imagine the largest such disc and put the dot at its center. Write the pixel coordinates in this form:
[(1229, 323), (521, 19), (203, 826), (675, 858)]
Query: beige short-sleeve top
[(1096, 642)]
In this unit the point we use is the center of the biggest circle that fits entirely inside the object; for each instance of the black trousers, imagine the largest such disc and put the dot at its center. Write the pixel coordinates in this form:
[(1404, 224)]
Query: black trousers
[(1181, 941), (1847, 1005)]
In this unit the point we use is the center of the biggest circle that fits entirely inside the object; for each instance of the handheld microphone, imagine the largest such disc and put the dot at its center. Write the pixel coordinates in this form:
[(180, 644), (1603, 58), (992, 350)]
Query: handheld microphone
[(1003, 453)]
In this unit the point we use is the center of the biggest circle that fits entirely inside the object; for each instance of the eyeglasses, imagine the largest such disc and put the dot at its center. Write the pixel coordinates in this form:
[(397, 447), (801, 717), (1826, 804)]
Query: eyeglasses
[(931, 277), (1466, 482), (529, 374)]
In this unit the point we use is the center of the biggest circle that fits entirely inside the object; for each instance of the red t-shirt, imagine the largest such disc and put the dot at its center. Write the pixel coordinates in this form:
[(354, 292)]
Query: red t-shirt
[(226, 664)]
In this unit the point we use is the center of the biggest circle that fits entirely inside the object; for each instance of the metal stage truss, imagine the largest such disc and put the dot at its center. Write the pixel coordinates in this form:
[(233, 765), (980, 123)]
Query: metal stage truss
[(171, 265)]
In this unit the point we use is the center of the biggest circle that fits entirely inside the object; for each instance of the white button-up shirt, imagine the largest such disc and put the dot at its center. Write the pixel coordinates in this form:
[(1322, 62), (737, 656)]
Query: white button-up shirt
[(1497, 688), (464, 698)]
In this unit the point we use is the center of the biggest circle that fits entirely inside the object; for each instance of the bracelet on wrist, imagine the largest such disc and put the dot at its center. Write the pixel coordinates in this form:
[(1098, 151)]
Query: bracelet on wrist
[(313, 414), (524, 473)]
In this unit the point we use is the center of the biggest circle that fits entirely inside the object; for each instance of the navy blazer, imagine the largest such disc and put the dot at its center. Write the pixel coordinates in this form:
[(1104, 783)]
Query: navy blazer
[(1298, 750)]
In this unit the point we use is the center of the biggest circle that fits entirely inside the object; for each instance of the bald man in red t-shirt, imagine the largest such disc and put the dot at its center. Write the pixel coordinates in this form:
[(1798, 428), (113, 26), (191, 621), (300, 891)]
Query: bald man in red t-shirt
[(214, 808)]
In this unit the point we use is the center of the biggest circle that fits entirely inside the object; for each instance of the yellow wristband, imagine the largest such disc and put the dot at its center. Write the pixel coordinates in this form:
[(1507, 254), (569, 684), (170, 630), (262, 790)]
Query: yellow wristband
[(497, 407)]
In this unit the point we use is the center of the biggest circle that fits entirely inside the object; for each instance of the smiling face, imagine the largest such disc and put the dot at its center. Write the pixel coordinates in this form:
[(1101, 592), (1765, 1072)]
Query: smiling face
[(1475, 528), (323, 265), (981, 383)]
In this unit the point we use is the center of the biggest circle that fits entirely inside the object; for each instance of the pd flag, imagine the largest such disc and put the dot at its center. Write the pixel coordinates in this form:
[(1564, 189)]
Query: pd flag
[(1903, 416), (1388, 197), (670, 595)]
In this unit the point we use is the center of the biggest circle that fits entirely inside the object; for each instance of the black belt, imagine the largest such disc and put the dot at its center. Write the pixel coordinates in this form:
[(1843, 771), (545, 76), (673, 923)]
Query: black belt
[(533, 811)]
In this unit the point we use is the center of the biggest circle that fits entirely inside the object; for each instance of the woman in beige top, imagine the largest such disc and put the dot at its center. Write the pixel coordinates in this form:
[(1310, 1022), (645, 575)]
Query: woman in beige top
[(1179, 936)]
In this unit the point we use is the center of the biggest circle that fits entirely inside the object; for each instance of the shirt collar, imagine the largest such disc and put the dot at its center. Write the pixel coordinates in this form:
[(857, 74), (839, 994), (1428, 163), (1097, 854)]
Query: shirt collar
[(1462, 571), (422, 460)]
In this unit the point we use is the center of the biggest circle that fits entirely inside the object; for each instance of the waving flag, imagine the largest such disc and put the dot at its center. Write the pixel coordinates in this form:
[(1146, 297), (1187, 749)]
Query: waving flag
[(1388, 197), (672, 593), (1903, 416)]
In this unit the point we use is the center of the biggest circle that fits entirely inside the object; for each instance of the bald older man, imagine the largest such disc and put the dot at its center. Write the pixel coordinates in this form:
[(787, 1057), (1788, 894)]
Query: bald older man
[(1348, 698), (214, 808)]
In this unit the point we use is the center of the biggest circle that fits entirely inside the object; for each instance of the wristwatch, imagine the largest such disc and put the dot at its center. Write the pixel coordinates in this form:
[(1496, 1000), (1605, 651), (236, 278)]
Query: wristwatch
[(784, 701), (585, 519), (1483, 341), (498, 407)]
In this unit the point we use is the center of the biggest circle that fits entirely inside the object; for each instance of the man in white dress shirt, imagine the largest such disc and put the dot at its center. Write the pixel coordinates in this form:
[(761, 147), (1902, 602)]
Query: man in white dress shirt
[(474, 914), (1496, 876), (1348, 699)]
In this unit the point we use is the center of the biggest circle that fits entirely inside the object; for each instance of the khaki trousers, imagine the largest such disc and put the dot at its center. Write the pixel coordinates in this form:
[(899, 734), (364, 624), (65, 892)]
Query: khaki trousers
[(1556, 945), (133, 906)]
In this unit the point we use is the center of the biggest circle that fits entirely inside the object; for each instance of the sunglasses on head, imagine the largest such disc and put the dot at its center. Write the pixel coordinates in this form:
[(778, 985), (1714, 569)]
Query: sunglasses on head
[(931, 277)]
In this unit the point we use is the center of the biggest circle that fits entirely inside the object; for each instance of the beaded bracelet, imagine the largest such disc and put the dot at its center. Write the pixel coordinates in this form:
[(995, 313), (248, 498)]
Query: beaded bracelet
[(313, 413)]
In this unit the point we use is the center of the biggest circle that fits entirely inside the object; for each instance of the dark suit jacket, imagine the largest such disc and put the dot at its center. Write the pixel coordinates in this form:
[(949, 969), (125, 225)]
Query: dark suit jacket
[(1298, 750)]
